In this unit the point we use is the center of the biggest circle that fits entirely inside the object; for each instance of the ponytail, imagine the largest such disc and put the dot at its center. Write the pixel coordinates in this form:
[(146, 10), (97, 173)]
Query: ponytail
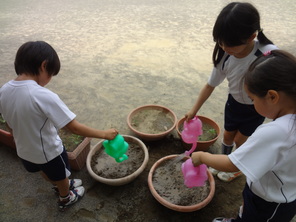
[(262, 38)]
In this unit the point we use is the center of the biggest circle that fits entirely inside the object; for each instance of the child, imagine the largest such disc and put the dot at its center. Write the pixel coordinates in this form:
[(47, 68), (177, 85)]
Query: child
[(35, 114), (267, 158), (234, 32)]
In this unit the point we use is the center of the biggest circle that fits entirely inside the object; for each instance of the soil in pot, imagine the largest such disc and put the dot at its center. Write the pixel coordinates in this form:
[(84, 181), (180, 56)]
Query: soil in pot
[(105, 166), (3, 125), (70, 140), (152, 121), (168, 181), (208, 132)]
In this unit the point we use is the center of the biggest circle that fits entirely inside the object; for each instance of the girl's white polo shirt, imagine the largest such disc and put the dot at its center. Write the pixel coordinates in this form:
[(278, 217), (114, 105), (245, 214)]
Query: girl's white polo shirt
[(267, 159)]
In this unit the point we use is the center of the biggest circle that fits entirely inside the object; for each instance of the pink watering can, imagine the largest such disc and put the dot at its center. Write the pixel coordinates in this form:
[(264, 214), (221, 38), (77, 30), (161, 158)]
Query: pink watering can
[(193, 176), (191, 131), (116, 148)]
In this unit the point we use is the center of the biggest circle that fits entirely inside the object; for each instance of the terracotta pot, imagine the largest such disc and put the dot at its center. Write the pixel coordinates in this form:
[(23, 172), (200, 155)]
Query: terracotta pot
[(149, 136), (77, 158), (123, 180), (201, 145), (172, 206)]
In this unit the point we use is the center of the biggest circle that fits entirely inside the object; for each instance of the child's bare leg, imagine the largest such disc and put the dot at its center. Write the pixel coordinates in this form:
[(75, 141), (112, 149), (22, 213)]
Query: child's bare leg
[(228, 137), (63, 187), (231, 138), (239, 139), (46, 178)]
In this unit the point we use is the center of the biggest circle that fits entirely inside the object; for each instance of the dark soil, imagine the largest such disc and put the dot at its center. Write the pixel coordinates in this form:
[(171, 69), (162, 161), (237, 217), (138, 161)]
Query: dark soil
[(168, 181), (3, 125), (152, 121), (105, 166), (70, 140)]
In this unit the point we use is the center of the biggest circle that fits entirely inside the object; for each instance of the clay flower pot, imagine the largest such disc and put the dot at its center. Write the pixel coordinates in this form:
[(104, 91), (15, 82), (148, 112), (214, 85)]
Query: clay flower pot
[(151, 122), (7, 139), (172, 206), (201, 145), (77, 158), (107, 162)]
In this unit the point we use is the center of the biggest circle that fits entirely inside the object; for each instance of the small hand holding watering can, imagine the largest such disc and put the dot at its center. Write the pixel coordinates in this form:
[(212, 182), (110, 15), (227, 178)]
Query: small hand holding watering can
[(193, 176)]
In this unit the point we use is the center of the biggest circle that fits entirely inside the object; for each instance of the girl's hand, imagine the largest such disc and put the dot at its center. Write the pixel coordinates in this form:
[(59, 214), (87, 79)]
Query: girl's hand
[(110, 134), (196, 158), (190, 115)]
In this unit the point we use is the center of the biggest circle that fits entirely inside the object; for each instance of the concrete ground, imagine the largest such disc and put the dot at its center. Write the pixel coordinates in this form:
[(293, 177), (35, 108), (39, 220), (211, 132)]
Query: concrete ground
[(117, 55), (27, 197)]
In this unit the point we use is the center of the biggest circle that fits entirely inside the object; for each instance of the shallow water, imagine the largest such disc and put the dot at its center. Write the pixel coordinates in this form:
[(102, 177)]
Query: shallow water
[(117, 55)]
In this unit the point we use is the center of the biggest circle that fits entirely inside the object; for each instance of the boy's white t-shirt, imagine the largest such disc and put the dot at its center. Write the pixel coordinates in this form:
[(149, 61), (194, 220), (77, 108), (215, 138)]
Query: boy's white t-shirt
[(267, 159), (35, 115), (234, 70)]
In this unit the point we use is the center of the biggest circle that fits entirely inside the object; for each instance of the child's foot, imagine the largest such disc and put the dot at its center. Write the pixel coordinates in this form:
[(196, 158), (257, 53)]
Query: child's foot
[(213, 171), (227, 177), (221, 219), (73, 183), (73, 197)]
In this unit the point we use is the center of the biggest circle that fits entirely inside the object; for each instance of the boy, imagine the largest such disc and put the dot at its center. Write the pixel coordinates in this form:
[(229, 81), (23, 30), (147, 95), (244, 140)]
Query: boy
[(35, 114)]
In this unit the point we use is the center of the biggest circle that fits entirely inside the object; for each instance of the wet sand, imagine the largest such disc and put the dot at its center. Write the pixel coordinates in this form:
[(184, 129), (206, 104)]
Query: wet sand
[(117, 55)]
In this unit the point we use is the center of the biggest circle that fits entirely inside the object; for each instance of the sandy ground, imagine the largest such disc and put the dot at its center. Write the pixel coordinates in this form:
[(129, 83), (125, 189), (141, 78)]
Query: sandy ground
[(117, 55)]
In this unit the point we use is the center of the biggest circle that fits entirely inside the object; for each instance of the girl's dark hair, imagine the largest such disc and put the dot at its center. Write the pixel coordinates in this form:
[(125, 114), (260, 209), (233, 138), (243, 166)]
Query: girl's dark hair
[(237, 22), (275, 70), (30, 56)]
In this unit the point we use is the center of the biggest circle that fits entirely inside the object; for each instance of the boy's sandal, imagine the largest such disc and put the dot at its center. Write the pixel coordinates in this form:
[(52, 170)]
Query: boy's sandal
[(74, 195)]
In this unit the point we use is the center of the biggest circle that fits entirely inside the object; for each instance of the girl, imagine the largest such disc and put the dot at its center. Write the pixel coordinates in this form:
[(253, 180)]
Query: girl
[(267, 158), (234, 32)]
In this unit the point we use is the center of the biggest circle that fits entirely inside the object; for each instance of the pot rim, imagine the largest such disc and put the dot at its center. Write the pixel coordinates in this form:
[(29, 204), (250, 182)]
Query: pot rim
[(150, 134), (174, 206), (122, 180), (180, 121)]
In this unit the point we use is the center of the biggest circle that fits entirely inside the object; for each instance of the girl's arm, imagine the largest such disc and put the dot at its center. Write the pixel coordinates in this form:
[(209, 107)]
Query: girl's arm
[(80, 129), (219, 162), (204, 94)]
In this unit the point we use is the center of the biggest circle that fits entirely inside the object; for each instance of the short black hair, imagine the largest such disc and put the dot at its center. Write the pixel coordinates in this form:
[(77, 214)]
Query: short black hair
[(30, 56)]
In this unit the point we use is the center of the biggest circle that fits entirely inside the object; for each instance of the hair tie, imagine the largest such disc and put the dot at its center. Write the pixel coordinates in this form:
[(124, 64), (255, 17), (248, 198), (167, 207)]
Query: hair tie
[(260, 30), (267, 53)]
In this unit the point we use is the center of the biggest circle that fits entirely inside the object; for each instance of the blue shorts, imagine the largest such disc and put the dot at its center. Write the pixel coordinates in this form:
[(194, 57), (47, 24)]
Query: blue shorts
[(55, 170), (241, 117), (257, 209)]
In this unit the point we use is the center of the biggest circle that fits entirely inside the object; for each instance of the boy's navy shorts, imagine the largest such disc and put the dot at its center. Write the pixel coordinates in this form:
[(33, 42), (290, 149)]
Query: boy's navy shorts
[(257, 209), (56, 169), (241, 117)]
